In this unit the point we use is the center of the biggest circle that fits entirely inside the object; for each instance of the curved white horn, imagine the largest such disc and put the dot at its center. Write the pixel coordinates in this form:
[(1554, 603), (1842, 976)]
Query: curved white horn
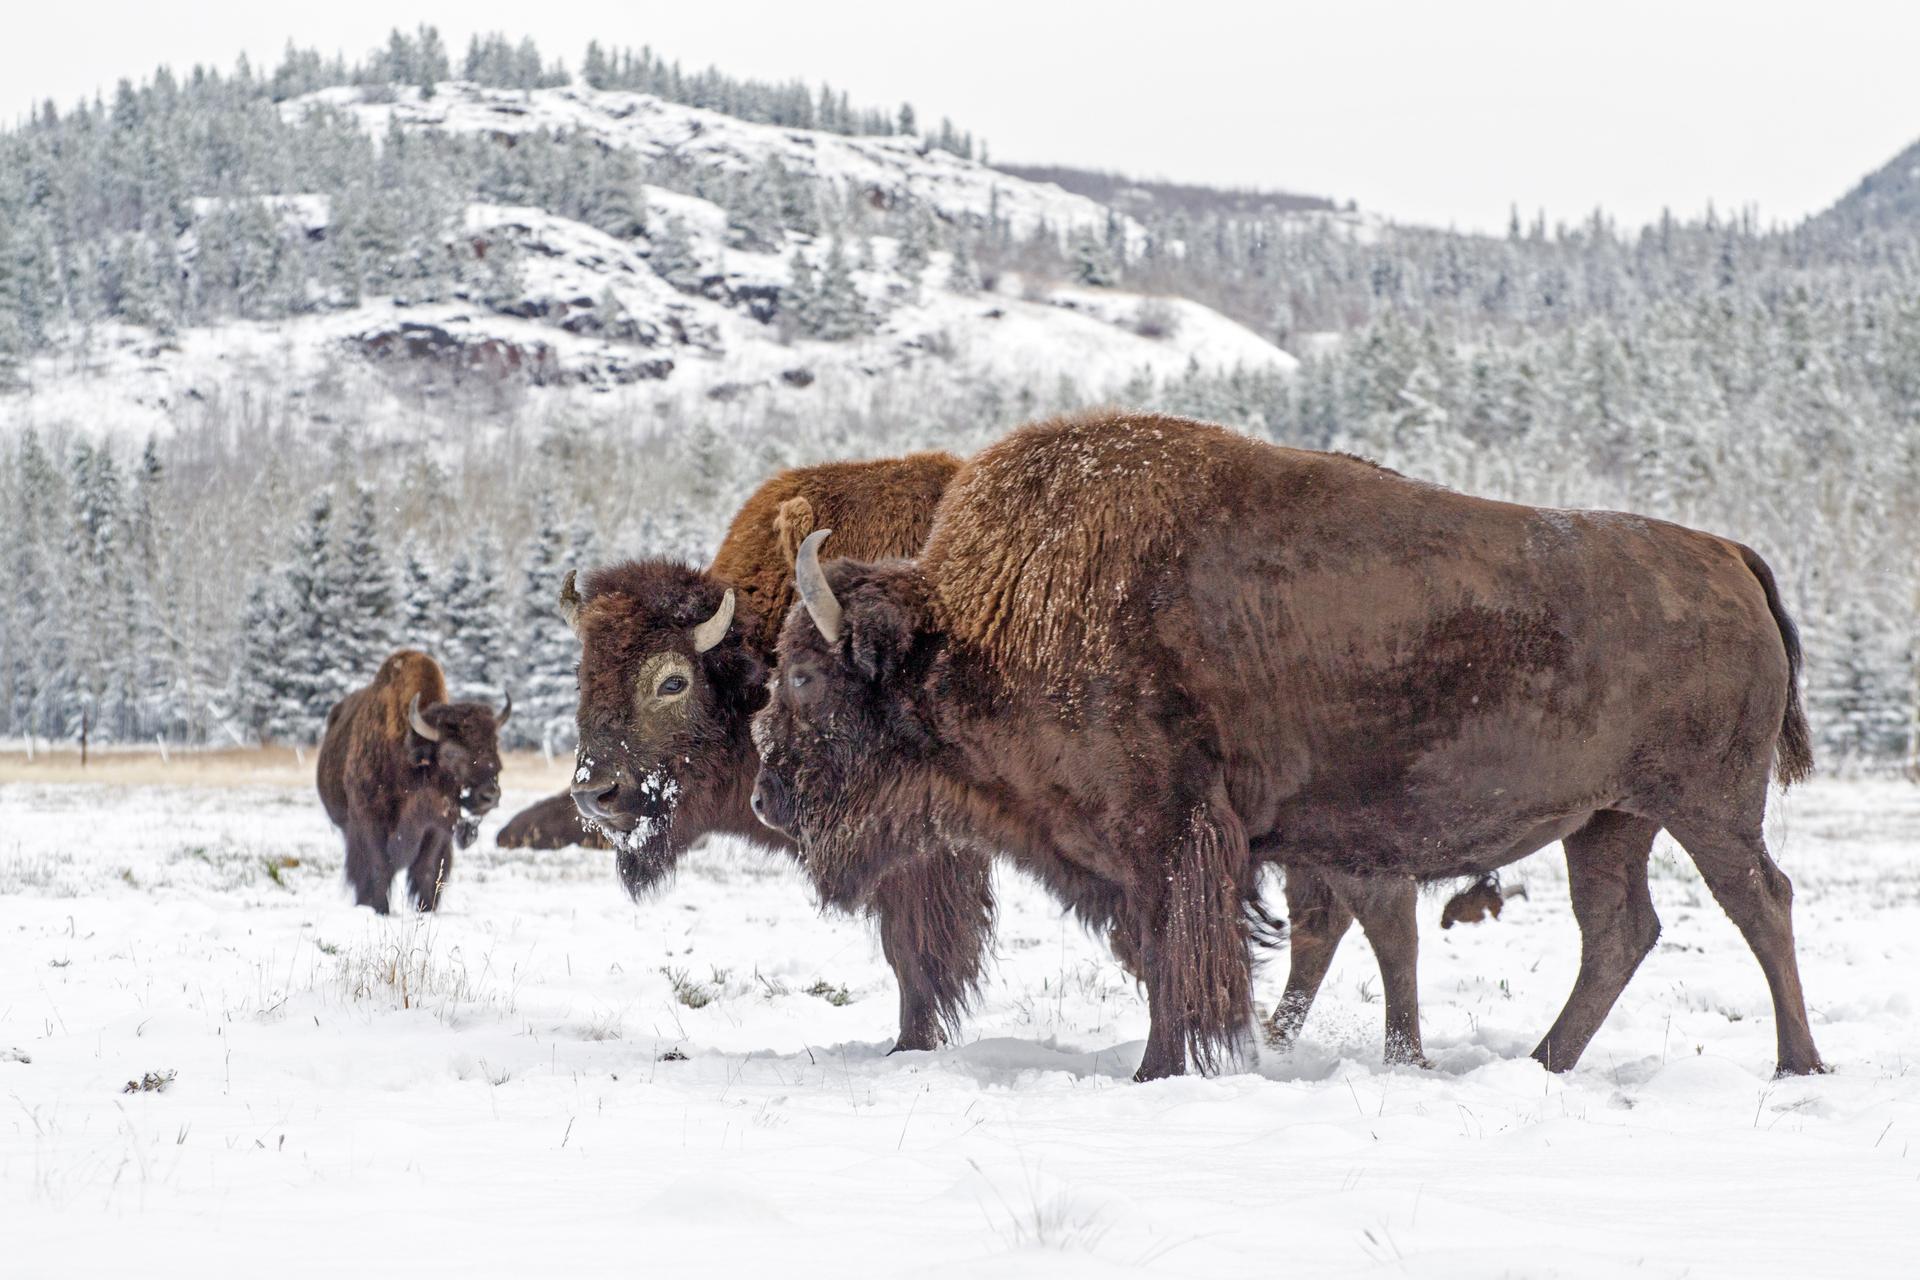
[(812, 585), (570, 601), (714, 629), (420, 726), (506, 713)]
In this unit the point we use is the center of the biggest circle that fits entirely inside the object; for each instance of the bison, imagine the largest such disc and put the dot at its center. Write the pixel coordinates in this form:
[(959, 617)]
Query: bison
[(1144, 655), (554, 823), (405, 774), (673, 664)]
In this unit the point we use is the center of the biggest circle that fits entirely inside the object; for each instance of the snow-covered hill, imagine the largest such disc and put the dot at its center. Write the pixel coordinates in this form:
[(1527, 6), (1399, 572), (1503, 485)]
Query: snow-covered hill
[(884, 170), (682, 311)]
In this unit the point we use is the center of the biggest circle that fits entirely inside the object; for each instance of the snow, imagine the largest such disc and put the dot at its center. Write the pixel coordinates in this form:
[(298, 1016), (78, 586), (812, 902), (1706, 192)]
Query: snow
[(660, 349), (493, 1089), (654, 129)]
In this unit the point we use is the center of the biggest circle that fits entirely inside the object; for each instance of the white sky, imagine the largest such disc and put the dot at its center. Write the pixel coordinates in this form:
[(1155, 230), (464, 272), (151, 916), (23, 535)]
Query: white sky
[(1434, 112)]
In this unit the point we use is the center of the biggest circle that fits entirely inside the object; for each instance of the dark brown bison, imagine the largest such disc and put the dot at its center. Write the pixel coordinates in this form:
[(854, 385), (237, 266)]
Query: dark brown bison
[(404, 774), (554, 823), (1143, 655), (673, 664)]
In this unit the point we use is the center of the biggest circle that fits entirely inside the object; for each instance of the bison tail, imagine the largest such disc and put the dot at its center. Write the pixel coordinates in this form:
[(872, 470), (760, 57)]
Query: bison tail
[(1793, 750), (1265, 930)]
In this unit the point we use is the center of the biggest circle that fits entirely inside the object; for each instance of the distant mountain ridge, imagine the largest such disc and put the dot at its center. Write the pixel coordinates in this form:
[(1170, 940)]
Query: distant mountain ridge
[(1140, 197), (1888, 196)]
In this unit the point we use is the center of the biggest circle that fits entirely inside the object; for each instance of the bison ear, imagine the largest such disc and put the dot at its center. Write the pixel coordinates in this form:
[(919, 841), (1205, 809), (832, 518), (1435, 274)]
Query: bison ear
[(570, 601), (791, 525), (880, 630)]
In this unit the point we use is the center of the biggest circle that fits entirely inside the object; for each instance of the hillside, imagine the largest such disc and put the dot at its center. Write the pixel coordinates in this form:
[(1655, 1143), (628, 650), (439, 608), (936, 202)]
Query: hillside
[(1887, 197), (683, 303)]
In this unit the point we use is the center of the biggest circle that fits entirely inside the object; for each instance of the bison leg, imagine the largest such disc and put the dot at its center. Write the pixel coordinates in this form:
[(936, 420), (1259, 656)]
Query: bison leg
[(368, 872), (1196, 954), (1316, 921), (1607, 880), (934, 916), (1758, 897), (427, 874), (1384, 906)]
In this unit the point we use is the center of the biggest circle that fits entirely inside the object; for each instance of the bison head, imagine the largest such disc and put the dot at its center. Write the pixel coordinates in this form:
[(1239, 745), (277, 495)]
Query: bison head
[(455, 746), (849, 751), (668, 685)]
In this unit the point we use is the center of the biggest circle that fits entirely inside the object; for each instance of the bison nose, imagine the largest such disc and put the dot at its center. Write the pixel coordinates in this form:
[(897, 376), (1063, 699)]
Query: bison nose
[(772, 803), (598, 795)]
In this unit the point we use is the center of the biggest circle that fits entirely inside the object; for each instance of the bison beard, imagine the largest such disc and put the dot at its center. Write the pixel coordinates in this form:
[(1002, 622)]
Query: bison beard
[(406, 776), (1143, 655)]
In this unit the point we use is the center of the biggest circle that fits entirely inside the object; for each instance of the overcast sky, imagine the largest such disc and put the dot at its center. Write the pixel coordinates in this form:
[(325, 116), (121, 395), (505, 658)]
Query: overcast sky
[(1444, 113)]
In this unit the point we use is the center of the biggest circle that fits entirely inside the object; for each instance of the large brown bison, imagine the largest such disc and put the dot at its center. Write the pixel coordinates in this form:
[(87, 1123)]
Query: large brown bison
[(399, 767), (1143, 655), (673, 664), (553, 823)]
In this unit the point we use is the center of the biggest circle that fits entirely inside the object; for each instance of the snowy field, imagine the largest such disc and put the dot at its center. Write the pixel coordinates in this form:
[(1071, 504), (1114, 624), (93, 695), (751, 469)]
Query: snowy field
[(547, 1079)]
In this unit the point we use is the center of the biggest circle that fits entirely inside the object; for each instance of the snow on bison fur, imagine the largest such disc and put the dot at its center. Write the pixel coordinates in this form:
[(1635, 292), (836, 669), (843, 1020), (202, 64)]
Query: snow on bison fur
[(1143, 655)]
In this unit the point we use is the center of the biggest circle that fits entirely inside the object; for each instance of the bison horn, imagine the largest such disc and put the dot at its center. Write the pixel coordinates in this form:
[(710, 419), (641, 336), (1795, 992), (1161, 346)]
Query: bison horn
[(714, 629), (419, 723), (814, 591), (506, 713), (570, 601)]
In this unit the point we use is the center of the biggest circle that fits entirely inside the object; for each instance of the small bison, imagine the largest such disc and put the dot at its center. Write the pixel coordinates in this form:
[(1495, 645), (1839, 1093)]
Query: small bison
[(673, 664), (405, 774), (1143, 656), (554, 823)]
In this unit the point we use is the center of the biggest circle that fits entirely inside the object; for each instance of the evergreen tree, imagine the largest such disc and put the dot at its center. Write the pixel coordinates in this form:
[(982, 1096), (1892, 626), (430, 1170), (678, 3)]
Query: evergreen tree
[(476, 659), (316, 678), (1092, 262), (962, 277), (673, 258), (365, 592), (548, 652), (1858, 696), (263, 697), (422, 614), (836, 310)]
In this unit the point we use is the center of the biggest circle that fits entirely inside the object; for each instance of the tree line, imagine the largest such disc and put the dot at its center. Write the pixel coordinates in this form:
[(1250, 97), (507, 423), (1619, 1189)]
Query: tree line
[(1763, 382)]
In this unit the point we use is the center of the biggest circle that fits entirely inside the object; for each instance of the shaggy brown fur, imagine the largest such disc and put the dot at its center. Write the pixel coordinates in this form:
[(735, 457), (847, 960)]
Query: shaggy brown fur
[(554, 823), (1144, 655), (884, 507), (397, 797), (665, 755)]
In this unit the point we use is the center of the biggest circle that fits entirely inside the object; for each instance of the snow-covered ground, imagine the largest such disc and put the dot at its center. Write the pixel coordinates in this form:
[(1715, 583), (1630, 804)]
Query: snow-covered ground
[(514, 1087)]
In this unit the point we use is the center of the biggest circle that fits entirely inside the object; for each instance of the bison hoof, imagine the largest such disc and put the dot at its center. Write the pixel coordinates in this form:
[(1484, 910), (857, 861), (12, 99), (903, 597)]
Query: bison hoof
[(1815, 1068), (917, 1042)]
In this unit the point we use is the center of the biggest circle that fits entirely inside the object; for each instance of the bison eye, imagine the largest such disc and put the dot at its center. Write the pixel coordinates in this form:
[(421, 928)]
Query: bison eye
[(670, 686), (798, 680)]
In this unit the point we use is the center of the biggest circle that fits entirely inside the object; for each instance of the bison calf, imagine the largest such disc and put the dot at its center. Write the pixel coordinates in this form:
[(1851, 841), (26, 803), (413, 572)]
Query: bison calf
[(404, 773)]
